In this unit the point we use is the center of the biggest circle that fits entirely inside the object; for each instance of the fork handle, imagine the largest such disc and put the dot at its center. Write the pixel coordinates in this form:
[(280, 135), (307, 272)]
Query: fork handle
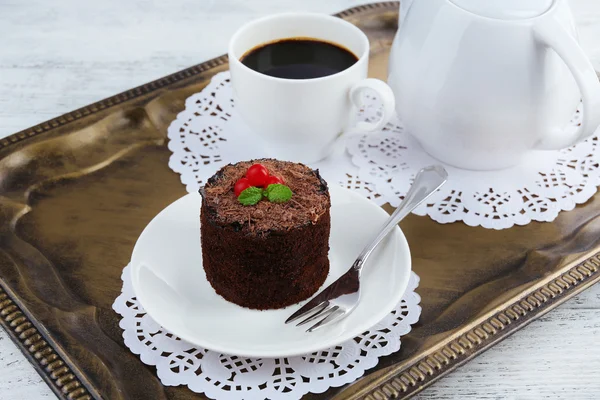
[(427, 181)]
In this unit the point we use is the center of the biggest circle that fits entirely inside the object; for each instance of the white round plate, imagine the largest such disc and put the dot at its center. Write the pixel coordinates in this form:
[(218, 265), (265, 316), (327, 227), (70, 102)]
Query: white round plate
[(169, 281)]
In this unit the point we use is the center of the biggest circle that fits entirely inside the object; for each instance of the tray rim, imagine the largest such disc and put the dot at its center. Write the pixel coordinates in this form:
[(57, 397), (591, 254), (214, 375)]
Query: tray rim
[(401, 380), (407, 378)]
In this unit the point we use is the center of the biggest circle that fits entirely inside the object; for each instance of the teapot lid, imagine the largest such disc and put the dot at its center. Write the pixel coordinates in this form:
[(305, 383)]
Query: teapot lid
[(505, 9)]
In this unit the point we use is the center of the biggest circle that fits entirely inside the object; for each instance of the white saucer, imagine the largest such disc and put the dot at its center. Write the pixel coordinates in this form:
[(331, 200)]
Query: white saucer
[(169, 281)]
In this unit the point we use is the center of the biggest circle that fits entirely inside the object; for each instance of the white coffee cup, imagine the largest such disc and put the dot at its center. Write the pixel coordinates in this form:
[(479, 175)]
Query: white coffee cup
[(300, 119)]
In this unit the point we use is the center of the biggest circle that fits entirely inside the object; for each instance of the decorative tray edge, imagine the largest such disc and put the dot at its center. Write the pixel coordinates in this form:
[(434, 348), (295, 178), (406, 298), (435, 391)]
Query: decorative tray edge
[(410, 377), (44, 355)]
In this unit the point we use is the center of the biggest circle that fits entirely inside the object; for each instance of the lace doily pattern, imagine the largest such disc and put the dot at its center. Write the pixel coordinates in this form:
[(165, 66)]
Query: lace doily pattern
[(222, 376), (537, 190), (381, 165)]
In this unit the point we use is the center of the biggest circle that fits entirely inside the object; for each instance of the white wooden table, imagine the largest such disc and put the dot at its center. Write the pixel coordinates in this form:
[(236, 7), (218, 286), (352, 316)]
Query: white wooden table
[(59, 55)]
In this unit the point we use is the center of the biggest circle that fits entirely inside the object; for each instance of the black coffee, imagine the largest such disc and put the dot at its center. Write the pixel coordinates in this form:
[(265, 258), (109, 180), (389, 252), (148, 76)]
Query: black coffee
[(299, 59)]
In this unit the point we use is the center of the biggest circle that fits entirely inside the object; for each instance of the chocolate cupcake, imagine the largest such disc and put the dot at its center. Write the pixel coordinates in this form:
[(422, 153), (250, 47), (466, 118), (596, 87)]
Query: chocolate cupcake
[(271, 253)]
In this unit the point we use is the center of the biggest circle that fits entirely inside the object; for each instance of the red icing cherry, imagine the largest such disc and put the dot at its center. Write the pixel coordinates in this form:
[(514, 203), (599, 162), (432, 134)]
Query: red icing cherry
[(240, 186), (271, 180), (257, 175)]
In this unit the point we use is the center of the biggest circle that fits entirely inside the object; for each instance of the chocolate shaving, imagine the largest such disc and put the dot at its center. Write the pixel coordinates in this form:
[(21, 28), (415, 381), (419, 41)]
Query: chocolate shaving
[(309, 202)]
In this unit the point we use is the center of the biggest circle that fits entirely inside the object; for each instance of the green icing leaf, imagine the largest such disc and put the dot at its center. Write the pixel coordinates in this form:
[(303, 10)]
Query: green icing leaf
[(250, 196), (278, 193)]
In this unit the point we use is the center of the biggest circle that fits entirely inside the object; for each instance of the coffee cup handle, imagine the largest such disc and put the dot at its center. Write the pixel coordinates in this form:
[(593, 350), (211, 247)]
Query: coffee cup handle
[(385, 94), (551, 33)]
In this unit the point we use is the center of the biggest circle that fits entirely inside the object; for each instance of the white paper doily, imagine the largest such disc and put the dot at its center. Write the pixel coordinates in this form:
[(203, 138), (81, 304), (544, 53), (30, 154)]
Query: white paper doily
[(222, 376), (381, 166)]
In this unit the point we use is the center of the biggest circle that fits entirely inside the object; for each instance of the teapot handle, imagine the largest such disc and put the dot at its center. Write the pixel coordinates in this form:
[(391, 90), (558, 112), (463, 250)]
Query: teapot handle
[(551, 33)]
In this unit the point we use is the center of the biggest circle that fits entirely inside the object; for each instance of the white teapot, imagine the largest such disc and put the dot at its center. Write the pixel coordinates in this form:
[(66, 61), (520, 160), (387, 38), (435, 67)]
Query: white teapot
[(481, 83)]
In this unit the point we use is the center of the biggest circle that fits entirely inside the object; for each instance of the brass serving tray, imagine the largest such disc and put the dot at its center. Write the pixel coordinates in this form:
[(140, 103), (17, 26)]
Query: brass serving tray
[(76, 191)]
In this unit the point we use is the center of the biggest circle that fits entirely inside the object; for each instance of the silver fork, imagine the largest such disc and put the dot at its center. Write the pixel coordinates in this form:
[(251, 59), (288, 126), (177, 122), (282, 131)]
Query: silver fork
[(340, 298)]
